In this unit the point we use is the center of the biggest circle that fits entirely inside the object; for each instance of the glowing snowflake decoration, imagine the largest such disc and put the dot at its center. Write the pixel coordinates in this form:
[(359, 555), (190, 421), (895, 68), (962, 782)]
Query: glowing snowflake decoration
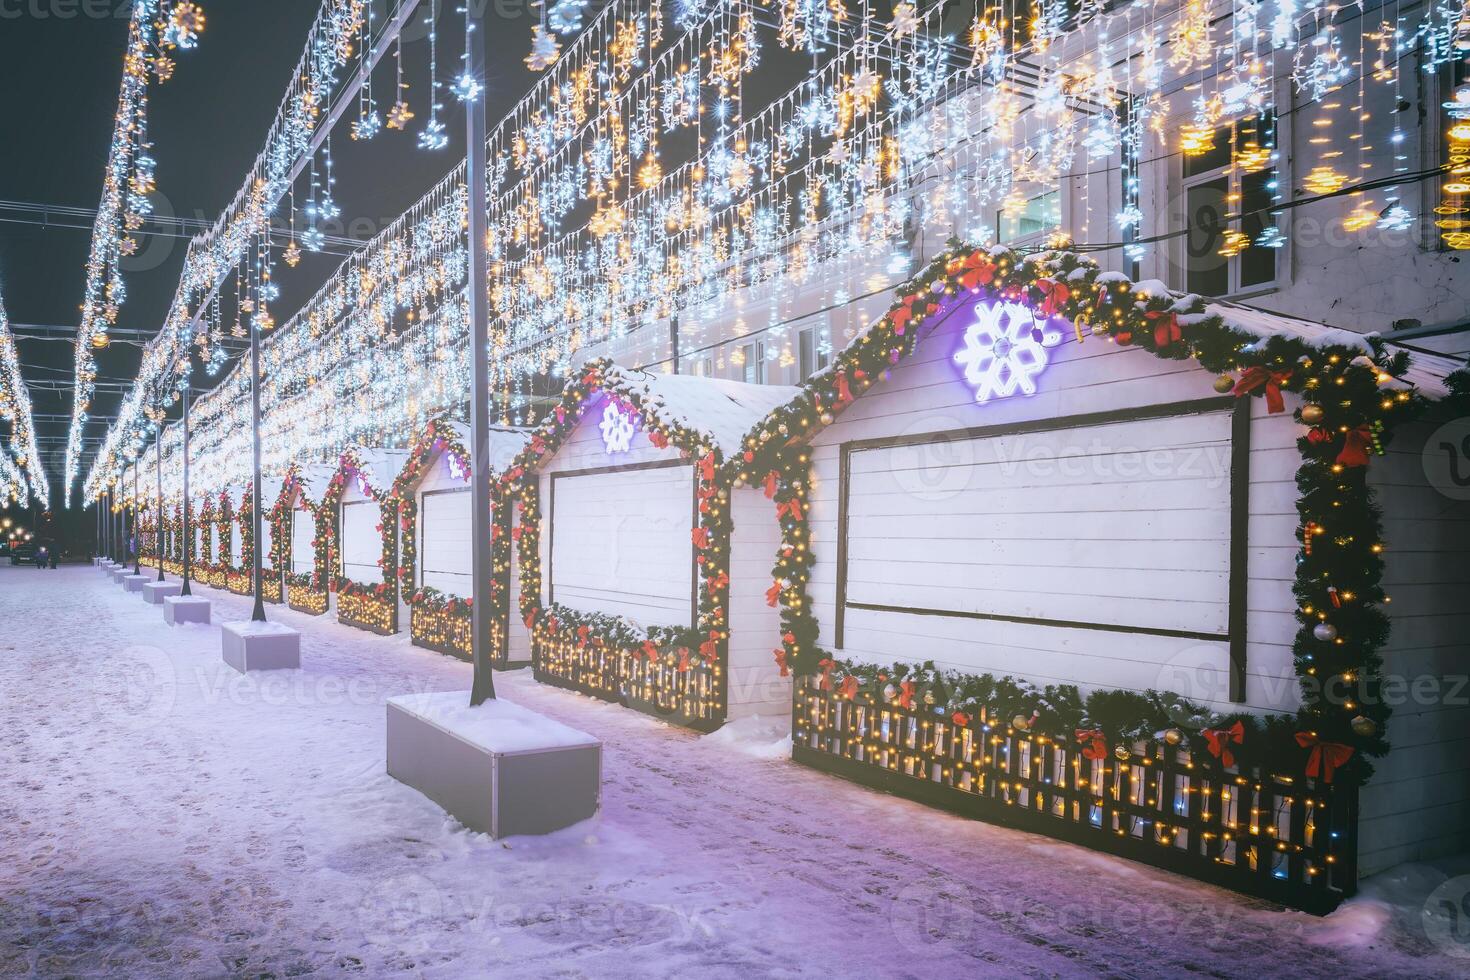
[(1005, 349), (617, 429)]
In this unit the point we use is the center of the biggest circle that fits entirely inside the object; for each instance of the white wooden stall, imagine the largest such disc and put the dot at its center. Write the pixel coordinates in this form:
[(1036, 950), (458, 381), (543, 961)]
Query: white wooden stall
[(1127, 526), (439, 488), (616, 521)]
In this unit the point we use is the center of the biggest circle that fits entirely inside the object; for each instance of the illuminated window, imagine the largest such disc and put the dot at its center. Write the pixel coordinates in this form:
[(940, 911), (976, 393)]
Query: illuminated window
[(754, 367), (1236, 175), (1031, 221), (813, 351)]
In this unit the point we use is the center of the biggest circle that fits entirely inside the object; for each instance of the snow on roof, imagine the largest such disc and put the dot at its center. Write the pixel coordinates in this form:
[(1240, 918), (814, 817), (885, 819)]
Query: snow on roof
[(270, 489), (723, 411), (314, 478), (506, 441), (1426, 371), (379, 467)]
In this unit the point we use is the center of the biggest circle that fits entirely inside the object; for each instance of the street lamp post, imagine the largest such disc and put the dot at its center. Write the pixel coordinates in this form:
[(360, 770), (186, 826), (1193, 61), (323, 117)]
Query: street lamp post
[(258, 614), (188, 543), (483, 686), (158, 521), (137, 520)]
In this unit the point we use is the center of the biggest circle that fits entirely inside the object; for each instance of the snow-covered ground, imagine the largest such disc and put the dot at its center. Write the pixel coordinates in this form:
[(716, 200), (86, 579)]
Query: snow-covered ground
[(162, 815)]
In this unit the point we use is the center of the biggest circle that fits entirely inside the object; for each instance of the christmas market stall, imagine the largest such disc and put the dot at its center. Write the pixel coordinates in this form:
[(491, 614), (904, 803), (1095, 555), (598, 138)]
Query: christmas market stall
[(1105, 562), (435, 547), (309, 575), (363, 533), (644, 571), (238, 573)]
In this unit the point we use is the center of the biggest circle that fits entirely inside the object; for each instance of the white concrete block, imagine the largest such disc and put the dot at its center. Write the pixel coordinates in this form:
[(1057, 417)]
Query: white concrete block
[(249, 645), (135, 583), (499, 768), (155, 592), (185, 609), (121, 572)]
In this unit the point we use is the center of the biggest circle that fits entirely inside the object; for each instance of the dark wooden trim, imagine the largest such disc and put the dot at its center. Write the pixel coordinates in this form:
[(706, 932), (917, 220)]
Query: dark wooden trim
[(1038, 621), (659, 464), (1240, 521), (1239, 511), (844, 489)]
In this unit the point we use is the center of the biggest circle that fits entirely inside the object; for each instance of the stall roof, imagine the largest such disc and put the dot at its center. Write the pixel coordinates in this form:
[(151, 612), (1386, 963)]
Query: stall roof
[(1427, 372), (723, 411), (506, 441), (380, 467)]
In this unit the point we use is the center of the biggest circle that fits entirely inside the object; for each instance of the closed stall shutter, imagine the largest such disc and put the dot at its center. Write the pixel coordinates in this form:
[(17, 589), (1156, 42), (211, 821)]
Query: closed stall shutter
[(1117, 526), (444, 552), (621, 543), (303, 530), (362, 545)]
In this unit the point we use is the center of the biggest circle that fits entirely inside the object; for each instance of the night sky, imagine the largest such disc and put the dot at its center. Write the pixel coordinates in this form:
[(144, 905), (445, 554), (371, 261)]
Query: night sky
[(60, 71)]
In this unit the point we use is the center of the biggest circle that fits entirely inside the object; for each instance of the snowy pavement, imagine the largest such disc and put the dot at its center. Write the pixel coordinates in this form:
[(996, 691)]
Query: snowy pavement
[(162, 815)]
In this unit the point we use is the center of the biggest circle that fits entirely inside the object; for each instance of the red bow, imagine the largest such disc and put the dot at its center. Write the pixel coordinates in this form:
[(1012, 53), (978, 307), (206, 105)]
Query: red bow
[(781, 661), (1219, 739), (773, 594), (649, 650), (790, 508), (707, 467), (684, 659), (960, 719), (1324, 757), (905, 312), (1271, 381), (700, 536), (826, 664), (658, 438), (531, 619), (1166, 327), (1355, 443), (582, 633), (1053, 295), (848, 687), (771, 479), (516, 532), (844, 393), (1094, 743), (709, 648), (978, 271)]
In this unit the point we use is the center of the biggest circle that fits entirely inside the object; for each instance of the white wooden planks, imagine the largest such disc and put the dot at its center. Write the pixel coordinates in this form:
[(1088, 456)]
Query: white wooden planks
[(361, 545), (620, 543), (986, 525), (445, 555)]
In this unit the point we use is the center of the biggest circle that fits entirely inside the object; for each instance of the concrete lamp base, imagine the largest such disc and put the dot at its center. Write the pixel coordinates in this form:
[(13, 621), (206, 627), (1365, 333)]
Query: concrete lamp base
[(121, 572), (500, 769), (155, 592), (248, 646), (135, 583), (185, 609)]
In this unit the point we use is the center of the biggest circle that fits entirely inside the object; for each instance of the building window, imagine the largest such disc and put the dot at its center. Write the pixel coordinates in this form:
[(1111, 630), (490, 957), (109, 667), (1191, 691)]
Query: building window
[(813, 351), (1029, 223), (1236, 175), (753, 363), (702, 367)]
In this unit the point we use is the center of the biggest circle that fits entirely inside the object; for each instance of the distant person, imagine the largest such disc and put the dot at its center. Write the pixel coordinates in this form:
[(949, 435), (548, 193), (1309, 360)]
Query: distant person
[(41, 557), (55, 557)]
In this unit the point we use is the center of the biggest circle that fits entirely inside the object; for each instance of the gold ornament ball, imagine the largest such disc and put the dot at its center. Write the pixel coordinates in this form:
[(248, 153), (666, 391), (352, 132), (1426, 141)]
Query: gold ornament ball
[(1173, 736), (1122, 752), (1224, 383), (1021, 723), (826, 418), (1364, 727), (1312, 414)]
